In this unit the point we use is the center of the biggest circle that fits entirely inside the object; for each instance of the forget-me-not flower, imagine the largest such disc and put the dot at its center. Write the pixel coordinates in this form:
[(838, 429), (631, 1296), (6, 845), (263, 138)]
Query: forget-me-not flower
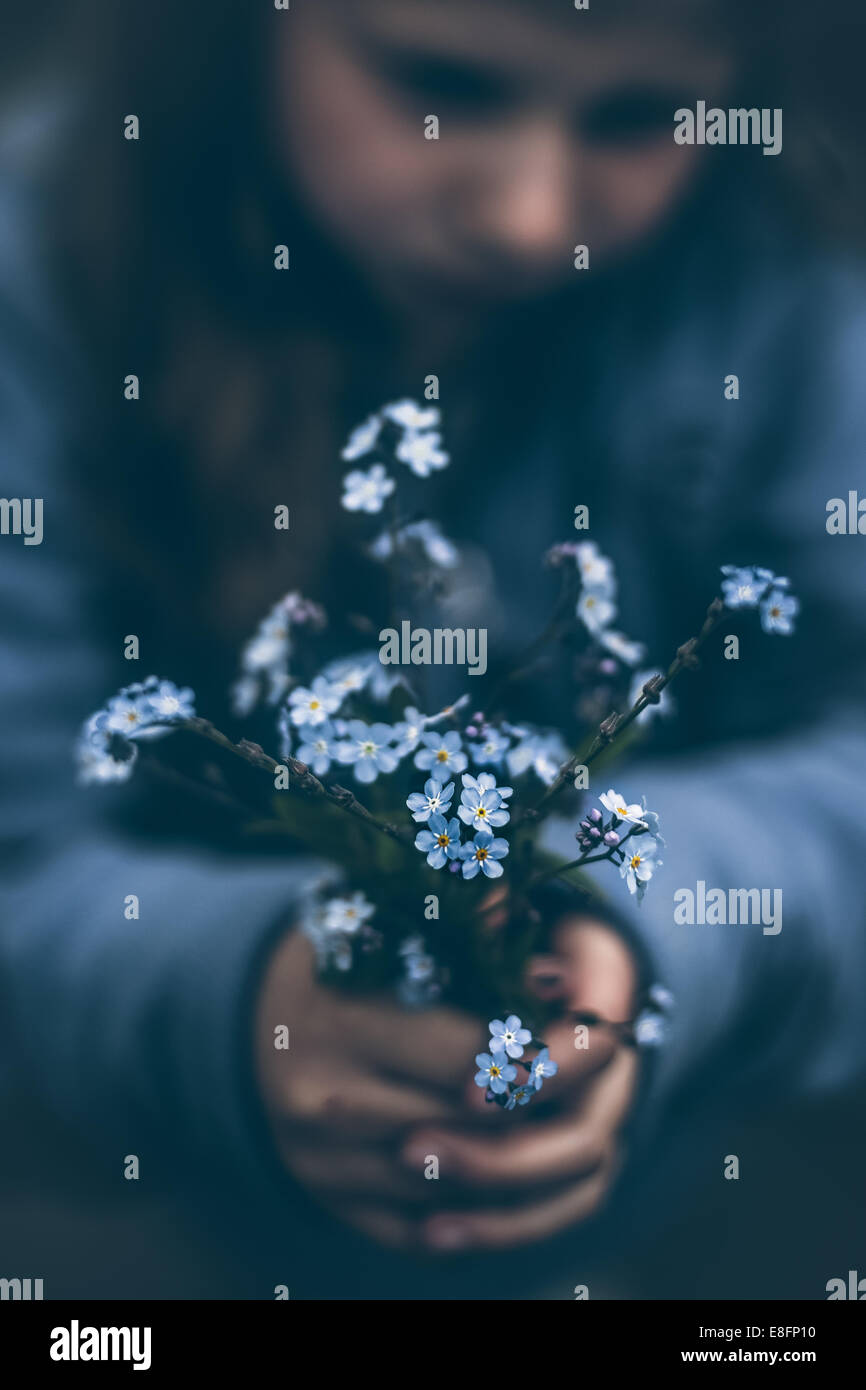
[(441, 753), (641, 861), (423, 452), (618, 806), (778, 611), (482, 807), (319, 751), (510, 1036), (313, 706), (440, 842), (494, 1072), (436, 800), (369, 747), (366, 492), (408, 731), (541, 1068), (483, 855)]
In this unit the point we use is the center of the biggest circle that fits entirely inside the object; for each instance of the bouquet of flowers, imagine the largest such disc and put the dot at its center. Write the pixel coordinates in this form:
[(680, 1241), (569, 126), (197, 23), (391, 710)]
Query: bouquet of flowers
[(442, 827)]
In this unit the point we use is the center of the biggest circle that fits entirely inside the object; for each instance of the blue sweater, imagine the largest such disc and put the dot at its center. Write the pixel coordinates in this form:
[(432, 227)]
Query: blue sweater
[(144, 1027)]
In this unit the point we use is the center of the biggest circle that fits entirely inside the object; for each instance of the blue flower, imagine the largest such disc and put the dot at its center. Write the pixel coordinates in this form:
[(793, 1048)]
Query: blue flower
[(491, 750), (351, 673), (542, 1067), (313, 706), (320, 750), (435, 800), (651, 821), (482, 808), (510, 1036), (441, 842), (744, 585), (169, 704), (494, 1072), (441, 753), (778, 611), (485, 781), (544, 753), (409, 730), (622, 647), (482, 856), (95, 762), (265, 658), (127, 714), (146, 709), (520, 1095), (368, 748)]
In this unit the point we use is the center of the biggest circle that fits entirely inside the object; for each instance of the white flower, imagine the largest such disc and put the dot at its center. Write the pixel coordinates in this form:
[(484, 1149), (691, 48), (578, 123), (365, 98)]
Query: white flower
[(346, 914), (368, 748), (366, 492), (639, 864), (426, 534), (318, 752), (438, 549), (313, 706), (649, 1029), (596, 611), (596, 571), (408, 415), (350, 674), (544, 753), (630, 653), (422, 452), (96, 765), (168, 702), (362, 439), (407, 733), (617, 805)]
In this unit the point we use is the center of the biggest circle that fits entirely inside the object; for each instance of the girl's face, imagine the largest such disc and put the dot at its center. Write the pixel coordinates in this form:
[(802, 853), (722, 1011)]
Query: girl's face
[(551, 134)]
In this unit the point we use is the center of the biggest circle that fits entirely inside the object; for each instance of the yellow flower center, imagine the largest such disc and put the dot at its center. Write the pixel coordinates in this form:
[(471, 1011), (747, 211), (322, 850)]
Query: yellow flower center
[(481, 812), (368, 749), (443, 840), (442, 755), (314, 704), (622, 810), (494, 1070), (480, 854), (635, 861)]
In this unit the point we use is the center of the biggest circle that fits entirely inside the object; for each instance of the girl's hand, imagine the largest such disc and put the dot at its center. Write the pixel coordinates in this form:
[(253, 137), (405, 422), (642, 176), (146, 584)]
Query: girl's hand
[(536, 1178), (358, 1074)]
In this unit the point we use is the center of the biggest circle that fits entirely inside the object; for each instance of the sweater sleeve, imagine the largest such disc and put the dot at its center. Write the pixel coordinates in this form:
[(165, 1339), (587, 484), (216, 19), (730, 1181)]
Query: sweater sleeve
[(137, 1030)]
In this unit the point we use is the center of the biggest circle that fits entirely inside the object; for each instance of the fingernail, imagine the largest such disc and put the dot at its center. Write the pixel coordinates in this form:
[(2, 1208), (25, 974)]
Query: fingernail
[(446, 1233)]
